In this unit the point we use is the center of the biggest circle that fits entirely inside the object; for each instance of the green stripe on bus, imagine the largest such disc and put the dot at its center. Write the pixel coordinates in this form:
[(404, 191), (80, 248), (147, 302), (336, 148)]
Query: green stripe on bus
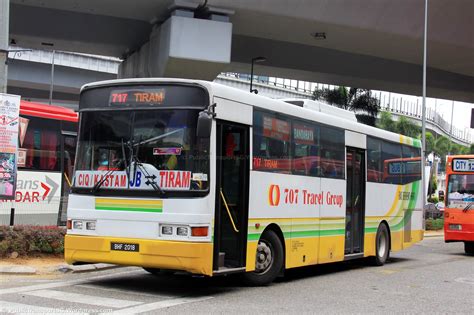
[(129, 209), (104, 205)]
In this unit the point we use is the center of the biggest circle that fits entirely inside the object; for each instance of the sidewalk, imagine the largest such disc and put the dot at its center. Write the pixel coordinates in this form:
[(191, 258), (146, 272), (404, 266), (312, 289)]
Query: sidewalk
[(46, 266), (436, 233)]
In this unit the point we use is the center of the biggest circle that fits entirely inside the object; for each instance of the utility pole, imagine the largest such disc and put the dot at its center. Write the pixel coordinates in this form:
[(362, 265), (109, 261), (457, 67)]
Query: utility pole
[(451, 130), (51, 85), (4, 24), (423, 115)]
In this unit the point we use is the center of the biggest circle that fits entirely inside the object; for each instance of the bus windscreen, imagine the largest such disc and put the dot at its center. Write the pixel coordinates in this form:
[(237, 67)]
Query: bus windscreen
[(154, 149)]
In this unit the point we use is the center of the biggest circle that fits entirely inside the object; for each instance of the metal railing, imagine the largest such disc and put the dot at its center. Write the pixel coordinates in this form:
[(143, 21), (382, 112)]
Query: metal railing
[(396, 105)]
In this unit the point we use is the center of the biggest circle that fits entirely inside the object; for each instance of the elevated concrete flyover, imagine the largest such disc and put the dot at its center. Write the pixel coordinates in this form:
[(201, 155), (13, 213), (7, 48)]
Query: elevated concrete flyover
[(373, 44)]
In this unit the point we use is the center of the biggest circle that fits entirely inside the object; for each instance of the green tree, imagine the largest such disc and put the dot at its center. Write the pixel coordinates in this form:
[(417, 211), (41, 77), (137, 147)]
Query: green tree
[(361, 101), (407, 127), (386, 122), (430, 141), (471, 149)]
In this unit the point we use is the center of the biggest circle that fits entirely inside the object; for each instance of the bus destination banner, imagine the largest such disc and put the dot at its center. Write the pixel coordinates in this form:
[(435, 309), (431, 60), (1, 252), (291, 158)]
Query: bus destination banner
[(463, 165), (9, 117)]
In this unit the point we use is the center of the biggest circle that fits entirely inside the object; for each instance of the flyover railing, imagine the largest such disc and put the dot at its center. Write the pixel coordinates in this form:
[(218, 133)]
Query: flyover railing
[(392, 104)]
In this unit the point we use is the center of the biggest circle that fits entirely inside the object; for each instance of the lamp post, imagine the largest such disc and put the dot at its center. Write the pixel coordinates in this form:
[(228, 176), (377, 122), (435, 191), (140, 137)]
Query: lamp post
[(256, 59)]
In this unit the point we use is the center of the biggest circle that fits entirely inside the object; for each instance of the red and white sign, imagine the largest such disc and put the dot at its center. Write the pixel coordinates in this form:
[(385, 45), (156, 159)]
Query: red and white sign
[(175, 180), (9, 116)]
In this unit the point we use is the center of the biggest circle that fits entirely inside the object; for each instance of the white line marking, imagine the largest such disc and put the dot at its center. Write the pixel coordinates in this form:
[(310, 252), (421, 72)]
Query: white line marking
[(82, 298), (61, 284), (159, 305), (123, 291), (18, 308)]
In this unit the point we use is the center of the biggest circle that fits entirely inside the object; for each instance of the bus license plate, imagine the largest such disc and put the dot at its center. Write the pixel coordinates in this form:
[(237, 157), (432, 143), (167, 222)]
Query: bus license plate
[(126, 247)]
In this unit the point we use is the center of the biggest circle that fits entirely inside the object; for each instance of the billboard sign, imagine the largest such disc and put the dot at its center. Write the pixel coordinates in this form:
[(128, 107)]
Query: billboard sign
[(9, 126)]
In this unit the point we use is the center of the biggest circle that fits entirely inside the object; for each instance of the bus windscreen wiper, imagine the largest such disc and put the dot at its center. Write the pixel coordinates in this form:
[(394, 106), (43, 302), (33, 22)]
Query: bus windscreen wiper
[(150, 179), (468, 207)]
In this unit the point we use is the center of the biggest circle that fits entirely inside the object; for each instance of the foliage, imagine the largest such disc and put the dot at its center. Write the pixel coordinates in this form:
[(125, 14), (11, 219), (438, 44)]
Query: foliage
[(434, 224), (408, 127), (471, 149), (386, 122), (358, 100), (31, 240), (433, 199)]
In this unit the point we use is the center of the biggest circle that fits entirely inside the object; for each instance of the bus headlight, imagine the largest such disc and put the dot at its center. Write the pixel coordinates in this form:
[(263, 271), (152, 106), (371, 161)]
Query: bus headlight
[(166, 230), (90, 225), (77, 225), (182, 231)]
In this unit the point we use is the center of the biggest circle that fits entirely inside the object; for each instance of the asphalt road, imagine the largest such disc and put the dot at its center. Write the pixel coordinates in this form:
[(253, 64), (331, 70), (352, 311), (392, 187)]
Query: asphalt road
[(431, 277)]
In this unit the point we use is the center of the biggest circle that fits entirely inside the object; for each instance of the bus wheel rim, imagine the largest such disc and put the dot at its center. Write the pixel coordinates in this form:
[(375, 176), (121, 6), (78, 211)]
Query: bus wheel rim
[(264, 259), (382, 245)]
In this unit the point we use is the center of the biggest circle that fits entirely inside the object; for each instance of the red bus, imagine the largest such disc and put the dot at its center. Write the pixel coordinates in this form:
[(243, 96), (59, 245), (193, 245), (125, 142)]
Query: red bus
[(459, 209), (47, 147)]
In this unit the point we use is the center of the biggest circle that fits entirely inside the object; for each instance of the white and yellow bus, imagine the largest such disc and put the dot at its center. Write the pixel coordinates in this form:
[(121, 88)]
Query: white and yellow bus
[(194, 176)]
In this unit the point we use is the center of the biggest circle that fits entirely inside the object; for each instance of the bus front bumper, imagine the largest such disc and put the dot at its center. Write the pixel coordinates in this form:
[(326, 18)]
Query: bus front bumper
[(192, 257), (465, 234)]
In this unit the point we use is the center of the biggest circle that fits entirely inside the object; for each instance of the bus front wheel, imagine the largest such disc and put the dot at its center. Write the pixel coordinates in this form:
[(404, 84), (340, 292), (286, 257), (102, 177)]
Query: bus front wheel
[(469, 248), (268, 260), (382, 246)]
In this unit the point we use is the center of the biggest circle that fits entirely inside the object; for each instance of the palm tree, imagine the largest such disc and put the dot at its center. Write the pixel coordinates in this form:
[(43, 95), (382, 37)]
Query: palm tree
[(361, 101)]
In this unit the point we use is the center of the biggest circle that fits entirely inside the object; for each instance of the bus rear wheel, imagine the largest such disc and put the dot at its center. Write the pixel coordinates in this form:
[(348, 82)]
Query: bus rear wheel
[(268, 261), (469, 248), (382, 246)]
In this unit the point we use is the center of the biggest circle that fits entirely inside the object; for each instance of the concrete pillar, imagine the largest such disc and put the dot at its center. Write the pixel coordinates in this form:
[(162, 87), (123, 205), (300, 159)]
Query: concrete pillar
[(183, 47), (4, 23)]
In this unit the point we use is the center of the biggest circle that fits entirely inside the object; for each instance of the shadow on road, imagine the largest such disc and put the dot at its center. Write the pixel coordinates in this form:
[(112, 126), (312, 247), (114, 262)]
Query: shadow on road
[(177, 285)]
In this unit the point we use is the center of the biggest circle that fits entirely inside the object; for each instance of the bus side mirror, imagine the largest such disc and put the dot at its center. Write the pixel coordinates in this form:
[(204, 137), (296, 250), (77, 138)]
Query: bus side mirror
[(204, 124)]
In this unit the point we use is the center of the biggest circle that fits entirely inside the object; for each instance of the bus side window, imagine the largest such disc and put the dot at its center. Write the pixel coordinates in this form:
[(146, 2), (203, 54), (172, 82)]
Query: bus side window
[(412, 164), (332, 152), (392, 157), (41, 145), (374, 160)]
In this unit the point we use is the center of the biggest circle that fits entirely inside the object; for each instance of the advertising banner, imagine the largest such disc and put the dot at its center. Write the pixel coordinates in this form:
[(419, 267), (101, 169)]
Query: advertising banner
[(9, 126)]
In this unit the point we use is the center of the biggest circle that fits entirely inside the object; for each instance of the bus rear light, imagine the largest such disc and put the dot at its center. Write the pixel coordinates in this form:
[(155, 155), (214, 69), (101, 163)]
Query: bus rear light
[(77, 225), (167, 230), (199, 231), (69, 224), (90, 225), (182, 231)]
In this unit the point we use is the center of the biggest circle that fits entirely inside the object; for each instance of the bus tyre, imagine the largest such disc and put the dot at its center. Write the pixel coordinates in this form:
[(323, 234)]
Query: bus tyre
[(382, 246), (268, 261), (469, 248)]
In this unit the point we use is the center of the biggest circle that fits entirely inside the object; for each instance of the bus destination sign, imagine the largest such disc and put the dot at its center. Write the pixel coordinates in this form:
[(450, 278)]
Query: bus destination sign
[(137, 97), (463, 165)]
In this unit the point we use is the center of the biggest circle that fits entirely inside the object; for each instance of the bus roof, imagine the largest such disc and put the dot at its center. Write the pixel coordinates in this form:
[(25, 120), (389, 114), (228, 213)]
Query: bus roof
[(47, 111), (222, 91)]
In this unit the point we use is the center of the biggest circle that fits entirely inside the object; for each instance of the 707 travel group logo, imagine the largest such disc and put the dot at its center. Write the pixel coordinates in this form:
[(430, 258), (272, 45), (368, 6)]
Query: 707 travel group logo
[(296, 196)]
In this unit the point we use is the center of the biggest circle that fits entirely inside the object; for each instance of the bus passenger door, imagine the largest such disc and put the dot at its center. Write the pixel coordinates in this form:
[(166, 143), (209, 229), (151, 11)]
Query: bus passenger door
[(67, 156), (355, 201), (230, 223)]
